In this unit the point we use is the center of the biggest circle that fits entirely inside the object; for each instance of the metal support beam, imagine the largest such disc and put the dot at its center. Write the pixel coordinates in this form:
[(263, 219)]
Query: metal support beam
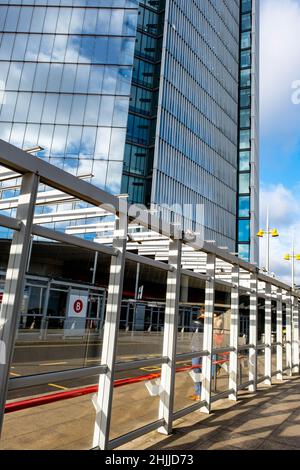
[(15, 280), (208, 333), (9, 222), (279, 336), (253, 334), (110, 336), (234, 333), (170, 338), (268, 335), (289, 334), (295, 337)]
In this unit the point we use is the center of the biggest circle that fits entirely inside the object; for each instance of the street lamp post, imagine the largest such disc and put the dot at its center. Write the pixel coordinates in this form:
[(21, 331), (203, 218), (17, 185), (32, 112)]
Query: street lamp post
[(269, 232), (292, 257)]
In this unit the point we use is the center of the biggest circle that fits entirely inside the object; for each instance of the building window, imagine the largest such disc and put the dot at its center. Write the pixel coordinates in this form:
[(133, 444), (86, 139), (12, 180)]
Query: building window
[(244, 206), (245, 183), (244, 230), (244, 252), (244, 161), (245, 139)]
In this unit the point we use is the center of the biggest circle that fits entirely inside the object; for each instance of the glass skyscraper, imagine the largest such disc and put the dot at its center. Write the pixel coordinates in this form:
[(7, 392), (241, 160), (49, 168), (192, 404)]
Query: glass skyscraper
[(248, 184), (157, 99)]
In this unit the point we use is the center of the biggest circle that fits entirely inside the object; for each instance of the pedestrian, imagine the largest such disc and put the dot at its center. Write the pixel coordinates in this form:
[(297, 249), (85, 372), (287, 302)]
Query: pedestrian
[(197, 345), (218, 339)]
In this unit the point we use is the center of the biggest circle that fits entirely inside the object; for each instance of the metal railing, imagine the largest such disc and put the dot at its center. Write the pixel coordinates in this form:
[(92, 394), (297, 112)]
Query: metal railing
[(244, 277)]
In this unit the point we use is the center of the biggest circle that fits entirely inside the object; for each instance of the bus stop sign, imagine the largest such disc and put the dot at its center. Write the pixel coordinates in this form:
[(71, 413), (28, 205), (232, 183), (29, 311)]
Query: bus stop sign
[(77, 306)]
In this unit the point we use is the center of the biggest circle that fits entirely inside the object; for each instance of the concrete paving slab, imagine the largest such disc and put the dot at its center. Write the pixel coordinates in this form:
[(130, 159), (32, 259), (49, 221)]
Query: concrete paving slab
[(266, 420)]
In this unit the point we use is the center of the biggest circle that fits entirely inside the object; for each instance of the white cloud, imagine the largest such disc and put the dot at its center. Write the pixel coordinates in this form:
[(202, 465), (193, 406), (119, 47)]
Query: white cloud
[(280, 65), (284, 207)]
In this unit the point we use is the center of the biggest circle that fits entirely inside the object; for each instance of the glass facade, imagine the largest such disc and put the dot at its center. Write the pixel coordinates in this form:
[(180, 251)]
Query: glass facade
[(247, 179), (65, 73), (140, 140), (153, 98), (195, 150)]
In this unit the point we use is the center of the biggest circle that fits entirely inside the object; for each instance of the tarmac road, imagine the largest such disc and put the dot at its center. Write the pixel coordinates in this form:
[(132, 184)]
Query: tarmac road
[(36, 357)]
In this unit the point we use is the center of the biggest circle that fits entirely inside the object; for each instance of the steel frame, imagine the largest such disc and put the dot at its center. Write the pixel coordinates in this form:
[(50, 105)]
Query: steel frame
[(34, 171)]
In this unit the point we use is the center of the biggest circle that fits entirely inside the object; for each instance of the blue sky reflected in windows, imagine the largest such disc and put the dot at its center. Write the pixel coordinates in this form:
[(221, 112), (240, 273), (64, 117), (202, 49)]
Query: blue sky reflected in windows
[(66, 72)]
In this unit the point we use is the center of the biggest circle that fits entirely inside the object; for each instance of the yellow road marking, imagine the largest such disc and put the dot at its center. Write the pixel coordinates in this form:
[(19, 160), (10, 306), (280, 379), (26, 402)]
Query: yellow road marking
[(58, 386), (16, 375), (53, 364)]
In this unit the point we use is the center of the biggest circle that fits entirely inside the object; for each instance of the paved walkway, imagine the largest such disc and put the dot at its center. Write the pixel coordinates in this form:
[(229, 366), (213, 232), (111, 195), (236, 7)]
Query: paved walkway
[(269, 419)]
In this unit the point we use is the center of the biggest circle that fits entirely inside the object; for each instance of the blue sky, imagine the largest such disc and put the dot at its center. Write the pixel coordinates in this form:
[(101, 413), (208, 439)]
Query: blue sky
[(280, 127)]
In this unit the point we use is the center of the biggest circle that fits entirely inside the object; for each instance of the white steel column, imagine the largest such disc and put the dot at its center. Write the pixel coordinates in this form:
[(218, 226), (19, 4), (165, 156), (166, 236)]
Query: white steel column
[(289, 334), (295, 337), (268, 335), (253, 333), (208, 333), (279, 335), (111, 327), (170, 338), (15, 279), (234, 332)]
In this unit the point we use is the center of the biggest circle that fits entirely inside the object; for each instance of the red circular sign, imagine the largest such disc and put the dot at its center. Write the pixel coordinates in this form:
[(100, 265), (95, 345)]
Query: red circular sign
[(78, 306)]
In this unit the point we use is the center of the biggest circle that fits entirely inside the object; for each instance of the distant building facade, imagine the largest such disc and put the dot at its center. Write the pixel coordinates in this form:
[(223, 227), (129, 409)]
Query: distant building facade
[(157, 99)]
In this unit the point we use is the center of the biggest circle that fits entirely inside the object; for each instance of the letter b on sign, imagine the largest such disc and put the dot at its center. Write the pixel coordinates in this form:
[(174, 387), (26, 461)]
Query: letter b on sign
[(78, 306)]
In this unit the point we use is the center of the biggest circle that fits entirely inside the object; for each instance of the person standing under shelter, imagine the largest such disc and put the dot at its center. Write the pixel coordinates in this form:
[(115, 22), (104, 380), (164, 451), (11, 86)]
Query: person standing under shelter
[(197, 345), (218, 338)]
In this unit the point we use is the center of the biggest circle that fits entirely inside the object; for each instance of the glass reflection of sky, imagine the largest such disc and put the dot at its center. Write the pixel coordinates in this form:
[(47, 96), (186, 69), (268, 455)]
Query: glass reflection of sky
[(66, 87)]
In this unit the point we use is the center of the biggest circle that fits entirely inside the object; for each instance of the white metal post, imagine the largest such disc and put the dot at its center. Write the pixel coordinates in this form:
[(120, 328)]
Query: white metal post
[(234, 333), (293, 263), (137, 280), (295, 337), (95, 268), (110, 336), (208, 333), (268, 244), (253, 333), (15, 279), (170, 338), (43, 333), (268, 335), (279, 336), (289, 333)]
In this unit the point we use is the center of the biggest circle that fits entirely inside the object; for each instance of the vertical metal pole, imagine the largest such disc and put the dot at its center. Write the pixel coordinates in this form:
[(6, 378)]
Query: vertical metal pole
[(43, 332), (293, 263), (15, 279), (170, 337), (29, 253), (95, 268), (295, 337), (110, 335), (234, 333), (268, 335), (268, 243), (253, 333), (208, 333), (127, 316), (289, 333), (151, 318), (136, 294), (279, 336), (137, 280)]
